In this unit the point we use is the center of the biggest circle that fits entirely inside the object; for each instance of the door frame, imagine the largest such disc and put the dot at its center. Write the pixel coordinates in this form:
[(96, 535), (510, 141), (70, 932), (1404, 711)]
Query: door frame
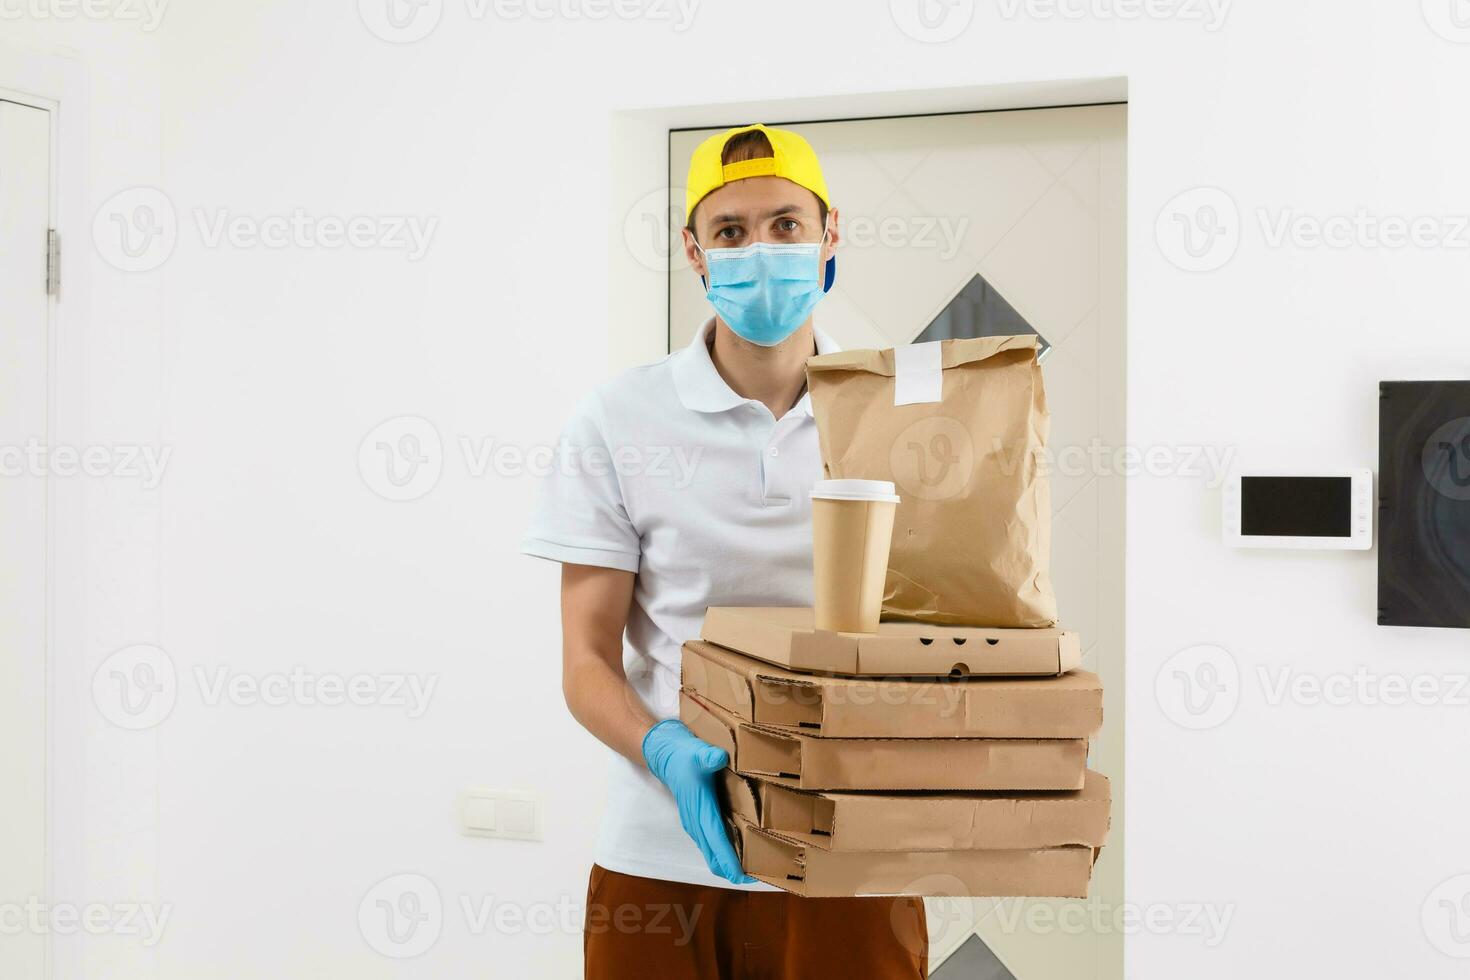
[(58, 86)]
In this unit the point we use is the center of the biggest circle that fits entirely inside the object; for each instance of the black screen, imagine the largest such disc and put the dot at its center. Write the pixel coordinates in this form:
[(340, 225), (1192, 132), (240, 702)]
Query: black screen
[(1424, 503), (1296, 506)]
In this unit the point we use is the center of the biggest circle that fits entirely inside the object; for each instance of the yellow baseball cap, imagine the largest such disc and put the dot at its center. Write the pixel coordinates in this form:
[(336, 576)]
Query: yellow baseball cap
[(794, 159)]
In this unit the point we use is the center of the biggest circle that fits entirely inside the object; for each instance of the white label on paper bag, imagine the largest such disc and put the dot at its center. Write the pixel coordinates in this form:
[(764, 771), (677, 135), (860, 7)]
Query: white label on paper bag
[(918, 373)]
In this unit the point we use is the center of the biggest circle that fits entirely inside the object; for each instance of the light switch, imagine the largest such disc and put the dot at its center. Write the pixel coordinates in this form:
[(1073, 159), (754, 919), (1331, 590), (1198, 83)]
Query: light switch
[(500, 813), (478, 813)]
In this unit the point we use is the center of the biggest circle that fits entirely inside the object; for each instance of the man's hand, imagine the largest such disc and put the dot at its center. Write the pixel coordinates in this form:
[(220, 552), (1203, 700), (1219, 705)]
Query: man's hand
[(687, 766), (594, 612)]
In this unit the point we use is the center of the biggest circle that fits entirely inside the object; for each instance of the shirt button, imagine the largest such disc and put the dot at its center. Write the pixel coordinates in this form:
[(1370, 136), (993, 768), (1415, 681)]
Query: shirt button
[(774, 451)]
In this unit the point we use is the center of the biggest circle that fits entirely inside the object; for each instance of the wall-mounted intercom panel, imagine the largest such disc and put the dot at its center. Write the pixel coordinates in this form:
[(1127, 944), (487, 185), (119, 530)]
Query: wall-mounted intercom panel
[(1326, 509)]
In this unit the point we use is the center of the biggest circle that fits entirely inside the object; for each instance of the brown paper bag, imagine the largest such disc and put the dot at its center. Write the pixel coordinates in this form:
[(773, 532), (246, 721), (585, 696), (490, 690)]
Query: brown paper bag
[(960, 426)]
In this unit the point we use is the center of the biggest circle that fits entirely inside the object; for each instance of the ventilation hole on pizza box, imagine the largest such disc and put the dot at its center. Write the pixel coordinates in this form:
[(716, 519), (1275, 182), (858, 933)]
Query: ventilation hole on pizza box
[(992, 640), (959, 670), (959, 641), (926, 640)]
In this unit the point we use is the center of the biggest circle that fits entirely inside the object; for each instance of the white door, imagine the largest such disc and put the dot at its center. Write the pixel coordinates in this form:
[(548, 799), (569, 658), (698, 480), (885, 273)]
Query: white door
[(25, 216), (998, 222)]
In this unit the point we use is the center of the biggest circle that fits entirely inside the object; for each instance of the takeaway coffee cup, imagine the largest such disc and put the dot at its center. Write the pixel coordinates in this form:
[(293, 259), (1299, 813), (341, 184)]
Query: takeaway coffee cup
[(852, 527)]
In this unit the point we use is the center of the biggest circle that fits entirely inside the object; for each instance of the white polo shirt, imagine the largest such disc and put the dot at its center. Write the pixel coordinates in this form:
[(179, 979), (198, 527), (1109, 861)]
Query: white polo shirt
[(667, 472)]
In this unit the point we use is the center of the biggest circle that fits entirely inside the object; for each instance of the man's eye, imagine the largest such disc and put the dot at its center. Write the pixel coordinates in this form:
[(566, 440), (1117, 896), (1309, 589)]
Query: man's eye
[(728, 233), (788, 225)]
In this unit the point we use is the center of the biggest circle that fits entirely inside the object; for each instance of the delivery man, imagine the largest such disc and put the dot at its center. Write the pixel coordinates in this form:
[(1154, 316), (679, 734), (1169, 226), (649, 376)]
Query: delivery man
[(682, 485)]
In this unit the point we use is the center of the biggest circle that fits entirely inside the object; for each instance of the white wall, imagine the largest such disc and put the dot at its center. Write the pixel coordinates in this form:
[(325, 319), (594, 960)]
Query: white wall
[(1324, 829)]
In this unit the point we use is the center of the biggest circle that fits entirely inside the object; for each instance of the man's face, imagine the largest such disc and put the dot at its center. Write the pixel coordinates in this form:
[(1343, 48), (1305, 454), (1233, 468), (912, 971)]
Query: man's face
[(758, 209)]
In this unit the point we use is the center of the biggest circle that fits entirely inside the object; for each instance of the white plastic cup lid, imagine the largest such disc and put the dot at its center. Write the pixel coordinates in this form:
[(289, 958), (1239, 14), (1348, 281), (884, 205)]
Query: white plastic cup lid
[(880, 490)]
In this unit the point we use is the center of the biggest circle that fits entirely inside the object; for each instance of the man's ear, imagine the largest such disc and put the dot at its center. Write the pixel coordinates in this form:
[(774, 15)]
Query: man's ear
[(692, 253), (834, 237)]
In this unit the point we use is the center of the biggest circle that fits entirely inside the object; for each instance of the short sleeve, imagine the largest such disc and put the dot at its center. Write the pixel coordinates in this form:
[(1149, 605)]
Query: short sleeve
[(581, 518)]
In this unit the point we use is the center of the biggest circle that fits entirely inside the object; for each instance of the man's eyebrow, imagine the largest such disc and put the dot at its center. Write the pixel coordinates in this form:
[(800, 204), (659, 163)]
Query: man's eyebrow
[(776, 212)]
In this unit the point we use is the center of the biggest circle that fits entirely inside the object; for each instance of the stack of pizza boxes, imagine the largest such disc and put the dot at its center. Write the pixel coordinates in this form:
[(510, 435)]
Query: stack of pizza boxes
[(925, 756), (918, 760)]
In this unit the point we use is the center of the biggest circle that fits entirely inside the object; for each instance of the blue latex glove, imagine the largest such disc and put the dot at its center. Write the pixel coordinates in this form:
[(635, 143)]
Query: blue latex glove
[(687, 765)]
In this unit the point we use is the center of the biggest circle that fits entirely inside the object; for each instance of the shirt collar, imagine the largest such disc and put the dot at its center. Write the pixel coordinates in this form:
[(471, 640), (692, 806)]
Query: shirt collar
[(700, 386)]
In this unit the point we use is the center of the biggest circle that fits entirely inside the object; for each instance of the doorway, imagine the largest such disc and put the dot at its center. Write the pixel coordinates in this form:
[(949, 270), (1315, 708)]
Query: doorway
[(26, 301), (971, 224)]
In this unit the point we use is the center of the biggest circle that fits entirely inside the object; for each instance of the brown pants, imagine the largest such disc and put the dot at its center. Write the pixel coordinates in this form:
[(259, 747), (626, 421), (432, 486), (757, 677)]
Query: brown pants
[(642, 927)]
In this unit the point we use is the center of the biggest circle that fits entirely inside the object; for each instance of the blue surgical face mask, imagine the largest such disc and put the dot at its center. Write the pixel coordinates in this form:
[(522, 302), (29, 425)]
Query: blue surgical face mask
[(763, 291)]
